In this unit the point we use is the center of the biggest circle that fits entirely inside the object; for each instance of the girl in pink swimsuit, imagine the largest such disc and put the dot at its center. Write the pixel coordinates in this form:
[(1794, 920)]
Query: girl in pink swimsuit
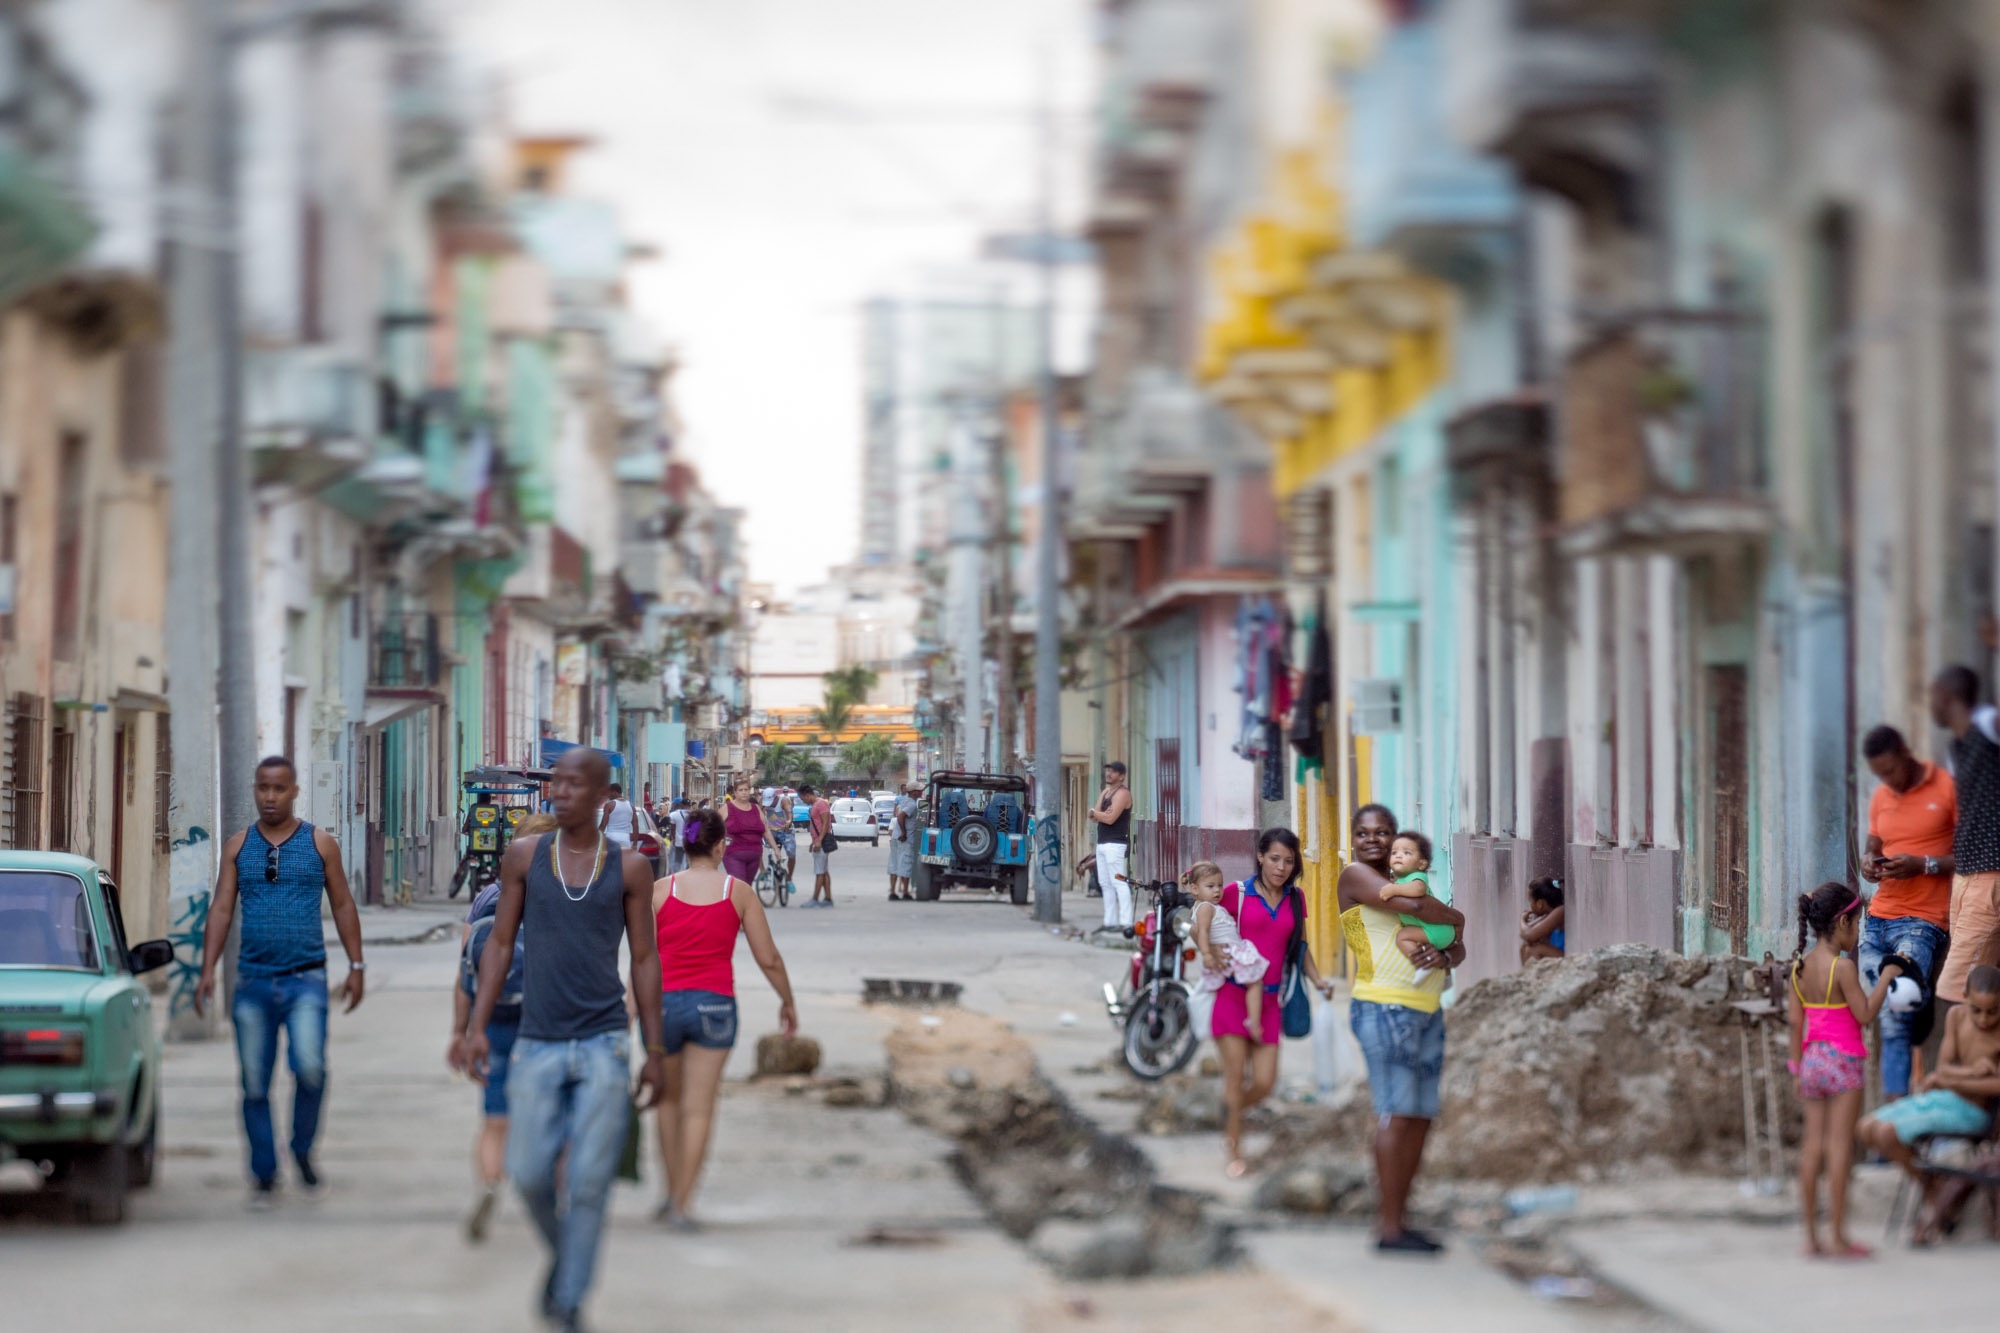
[(1828, 1053)]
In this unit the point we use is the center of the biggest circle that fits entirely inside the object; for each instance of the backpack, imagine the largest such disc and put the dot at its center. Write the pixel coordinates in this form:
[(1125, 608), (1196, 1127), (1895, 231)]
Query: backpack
[(507, 1009)]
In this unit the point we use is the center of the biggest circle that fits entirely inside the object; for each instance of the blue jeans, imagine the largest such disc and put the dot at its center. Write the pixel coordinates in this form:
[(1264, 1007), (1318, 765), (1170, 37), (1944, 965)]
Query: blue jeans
[(572, 1095), (1404, 1049), (263, 1005), (1920, 942)]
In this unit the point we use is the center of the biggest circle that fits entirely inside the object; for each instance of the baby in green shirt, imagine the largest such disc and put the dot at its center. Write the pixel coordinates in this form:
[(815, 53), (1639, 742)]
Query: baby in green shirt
[(1410, 863)]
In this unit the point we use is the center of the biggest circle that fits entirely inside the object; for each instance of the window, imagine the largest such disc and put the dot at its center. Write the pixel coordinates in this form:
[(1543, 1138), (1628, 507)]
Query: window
[(120, 950), (45, 921), (24, 771), (62, 774), (142, 406), (69, 548)]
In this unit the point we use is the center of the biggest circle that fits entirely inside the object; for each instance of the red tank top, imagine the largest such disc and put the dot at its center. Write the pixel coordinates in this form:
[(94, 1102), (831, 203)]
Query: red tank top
[(698, 941)]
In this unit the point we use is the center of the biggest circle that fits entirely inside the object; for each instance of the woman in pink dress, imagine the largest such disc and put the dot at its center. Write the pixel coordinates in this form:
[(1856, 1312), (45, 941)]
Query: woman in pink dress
[(1270, 913)]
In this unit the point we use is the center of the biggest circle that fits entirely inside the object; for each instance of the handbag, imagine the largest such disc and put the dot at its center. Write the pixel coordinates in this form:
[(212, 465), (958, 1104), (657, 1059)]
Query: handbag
[(1292, 989)]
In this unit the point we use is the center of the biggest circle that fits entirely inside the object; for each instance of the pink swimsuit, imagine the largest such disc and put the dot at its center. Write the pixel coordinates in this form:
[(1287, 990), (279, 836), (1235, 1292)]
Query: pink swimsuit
[(1834, 1057)]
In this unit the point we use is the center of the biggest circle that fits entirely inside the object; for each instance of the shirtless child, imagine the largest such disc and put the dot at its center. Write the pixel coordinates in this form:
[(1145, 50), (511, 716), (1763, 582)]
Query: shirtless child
[(1410, 863), (1960, 1097)]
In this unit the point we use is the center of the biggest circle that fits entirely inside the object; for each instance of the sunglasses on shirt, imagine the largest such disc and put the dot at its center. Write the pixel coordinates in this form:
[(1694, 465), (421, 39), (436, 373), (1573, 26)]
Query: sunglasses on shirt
[(271, 866)]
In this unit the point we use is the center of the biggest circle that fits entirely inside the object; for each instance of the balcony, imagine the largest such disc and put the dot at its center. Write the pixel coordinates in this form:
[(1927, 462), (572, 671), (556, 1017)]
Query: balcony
[(309, 417), (404, 653), (1661, 443), (1559, 88), (1412, 187)]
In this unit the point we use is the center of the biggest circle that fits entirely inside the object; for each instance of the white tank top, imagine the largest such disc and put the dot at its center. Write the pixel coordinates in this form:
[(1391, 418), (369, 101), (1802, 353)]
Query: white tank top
[(618, 827)]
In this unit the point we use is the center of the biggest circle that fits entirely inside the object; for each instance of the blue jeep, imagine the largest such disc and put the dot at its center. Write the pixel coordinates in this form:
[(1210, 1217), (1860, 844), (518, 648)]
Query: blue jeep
[(975, 831)]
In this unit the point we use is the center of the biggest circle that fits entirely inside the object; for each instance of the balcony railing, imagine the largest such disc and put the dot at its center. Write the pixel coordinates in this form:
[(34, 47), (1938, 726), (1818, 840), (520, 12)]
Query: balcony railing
[(403, 653), (1662, 435)]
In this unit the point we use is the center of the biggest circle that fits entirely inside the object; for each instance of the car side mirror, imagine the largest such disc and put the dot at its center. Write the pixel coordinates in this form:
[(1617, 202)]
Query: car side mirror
[(150, 955)]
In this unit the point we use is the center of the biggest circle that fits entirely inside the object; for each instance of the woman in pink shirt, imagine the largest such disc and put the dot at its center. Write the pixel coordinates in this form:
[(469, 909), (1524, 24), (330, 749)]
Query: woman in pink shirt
[(698, 914)]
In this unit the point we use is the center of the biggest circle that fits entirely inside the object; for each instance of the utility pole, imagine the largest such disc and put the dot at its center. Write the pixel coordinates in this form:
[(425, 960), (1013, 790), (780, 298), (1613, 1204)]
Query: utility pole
[(1005, 695), (1048, 856), (964, 592), (236, 668), (211, 667), (198, 230)]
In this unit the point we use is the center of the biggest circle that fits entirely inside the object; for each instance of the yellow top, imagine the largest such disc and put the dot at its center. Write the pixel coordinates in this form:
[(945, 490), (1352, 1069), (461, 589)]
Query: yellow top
[(1381, 973)]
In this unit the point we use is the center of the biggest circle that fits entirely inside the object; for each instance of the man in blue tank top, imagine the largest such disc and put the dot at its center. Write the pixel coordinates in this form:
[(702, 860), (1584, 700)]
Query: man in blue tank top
[(278, 869), (579, 896)]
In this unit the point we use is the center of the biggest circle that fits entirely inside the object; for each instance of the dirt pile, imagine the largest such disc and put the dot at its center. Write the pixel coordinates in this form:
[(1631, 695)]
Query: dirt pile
[(1619, 1062), (1085, 1200)]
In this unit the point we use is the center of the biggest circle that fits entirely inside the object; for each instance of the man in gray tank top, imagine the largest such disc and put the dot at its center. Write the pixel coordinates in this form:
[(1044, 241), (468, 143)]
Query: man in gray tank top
[(576, 893)]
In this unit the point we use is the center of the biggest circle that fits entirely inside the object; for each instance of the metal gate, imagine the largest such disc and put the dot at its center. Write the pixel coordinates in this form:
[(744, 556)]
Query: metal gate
[(1167, 808)]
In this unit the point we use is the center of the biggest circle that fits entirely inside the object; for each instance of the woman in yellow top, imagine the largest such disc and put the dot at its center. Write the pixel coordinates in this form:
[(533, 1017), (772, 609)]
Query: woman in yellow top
[(1396, 1018)]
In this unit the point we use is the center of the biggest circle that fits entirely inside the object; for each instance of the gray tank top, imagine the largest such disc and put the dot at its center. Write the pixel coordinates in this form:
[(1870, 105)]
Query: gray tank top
[(570, 986)]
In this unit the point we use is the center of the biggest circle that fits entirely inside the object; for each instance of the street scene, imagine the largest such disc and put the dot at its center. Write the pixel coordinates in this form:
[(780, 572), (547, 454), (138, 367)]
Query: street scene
[(1084, 664)]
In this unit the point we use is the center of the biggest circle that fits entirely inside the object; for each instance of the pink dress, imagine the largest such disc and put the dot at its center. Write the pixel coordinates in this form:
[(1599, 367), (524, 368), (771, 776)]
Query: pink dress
[(1271, 932)]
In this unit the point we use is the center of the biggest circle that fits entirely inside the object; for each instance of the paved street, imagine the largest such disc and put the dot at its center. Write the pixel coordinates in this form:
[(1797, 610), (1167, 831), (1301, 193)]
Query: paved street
[(818, 1218)]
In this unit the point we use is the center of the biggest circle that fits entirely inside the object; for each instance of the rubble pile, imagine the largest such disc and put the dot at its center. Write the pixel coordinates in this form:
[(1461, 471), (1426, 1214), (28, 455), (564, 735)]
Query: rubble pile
[(1624, 1061), (1085, 1200)]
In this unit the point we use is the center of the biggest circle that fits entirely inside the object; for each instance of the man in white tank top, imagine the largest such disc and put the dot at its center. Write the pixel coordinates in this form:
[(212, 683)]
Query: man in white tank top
[(617, 821)]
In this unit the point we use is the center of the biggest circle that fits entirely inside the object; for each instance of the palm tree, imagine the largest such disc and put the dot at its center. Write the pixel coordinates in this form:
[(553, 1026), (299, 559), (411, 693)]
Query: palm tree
[(870, 755), (851, 683), (778, 762), (834, 716)]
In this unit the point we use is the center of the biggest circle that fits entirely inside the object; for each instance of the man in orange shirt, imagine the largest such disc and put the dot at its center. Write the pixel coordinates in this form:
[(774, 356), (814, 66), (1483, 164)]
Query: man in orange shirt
[(1911, 819)]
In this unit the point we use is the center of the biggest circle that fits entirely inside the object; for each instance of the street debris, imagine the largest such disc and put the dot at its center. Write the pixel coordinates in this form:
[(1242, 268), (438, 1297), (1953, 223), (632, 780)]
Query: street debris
[(1615, 1064), (1086, 1201), (779, 1056), (906, 990)]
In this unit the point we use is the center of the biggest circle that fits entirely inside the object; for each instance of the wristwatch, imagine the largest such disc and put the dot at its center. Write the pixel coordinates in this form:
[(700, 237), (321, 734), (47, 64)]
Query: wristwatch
[(353, 966), (1930, 865)]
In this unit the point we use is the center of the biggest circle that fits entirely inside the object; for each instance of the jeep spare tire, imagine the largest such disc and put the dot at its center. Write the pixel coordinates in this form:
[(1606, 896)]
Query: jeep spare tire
[(973, 841)]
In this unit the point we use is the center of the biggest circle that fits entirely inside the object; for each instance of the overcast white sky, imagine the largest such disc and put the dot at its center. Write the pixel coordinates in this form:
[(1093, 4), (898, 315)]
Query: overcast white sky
[(775, 223)]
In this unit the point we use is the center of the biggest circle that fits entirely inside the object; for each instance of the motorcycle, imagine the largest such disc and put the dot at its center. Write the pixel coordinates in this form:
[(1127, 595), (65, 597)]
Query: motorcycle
[(1153, 1009)]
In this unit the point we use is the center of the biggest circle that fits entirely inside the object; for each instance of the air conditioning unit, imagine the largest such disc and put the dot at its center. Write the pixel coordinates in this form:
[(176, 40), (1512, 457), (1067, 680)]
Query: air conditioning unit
[(1378, 706)]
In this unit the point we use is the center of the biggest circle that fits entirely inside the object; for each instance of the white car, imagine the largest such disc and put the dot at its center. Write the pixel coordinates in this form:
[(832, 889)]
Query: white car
[(854, 819)]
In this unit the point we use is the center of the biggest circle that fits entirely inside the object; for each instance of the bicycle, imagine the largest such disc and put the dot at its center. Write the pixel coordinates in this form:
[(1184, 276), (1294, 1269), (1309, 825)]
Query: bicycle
[(774, 886)]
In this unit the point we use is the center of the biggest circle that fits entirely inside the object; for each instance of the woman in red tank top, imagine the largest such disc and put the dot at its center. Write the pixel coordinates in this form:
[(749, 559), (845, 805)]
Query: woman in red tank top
[(698, 914)]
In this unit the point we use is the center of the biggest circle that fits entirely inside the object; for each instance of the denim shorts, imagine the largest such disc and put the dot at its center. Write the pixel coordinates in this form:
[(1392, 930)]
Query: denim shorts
[(1404, 1049), (499, 1051), (703, 1018)]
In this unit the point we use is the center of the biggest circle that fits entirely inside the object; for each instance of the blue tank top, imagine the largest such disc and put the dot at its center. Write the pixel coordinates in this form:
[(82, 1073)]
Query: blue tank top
[(280, 919)]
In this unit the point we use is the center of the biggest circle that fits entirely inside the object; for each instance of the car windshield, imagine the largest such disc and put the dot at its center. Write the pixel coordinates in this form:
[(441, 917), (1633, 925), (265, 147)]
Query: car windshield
[(45, 921), (851, 808)]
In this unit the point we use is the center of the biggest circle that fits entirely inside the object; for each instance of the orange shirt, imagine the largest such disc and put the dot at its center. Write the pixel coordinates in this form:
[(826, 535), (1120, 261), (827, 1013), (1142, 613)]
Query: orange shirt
[(1917, 822)]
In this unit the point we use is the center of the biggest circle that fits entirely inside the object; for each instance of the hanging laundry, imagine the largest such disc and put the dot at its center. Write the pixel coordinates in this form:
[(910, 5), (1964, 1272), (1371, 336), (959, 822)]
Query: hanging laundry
[(1309, 711)]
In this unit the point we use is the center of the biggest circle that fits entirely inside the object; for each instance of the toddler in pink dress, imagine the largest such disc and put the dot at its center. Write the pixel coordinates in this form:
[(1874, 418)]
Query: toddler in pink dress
[(1225, 954)]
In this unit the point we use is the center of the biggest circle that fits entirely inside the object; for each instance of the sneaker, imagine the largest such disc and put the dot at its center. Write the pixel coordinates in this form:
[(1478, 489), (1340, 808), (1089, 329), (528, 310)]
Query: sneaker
[(482, 1214), (1408, 1241), (571, 1322), (309, 1182), (264, 1196)]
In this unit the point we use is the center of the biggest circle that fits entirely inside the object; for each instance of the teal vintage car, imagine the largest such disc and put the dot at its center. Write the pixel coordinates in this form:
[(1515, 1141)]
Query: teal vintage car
[(79, 1052)]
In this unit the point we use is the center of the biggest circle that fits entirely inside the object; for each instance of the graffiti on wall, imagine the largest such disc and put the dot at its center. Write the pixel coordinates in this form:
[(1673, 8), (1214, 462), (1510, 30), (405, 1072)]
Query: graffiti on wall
[(188, 895)]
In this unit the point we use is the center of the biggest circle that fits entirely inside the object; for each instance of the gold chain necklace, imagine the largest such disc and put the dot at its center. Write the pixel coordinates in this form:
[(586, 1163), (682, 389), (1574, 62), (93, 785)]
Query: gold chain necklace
[(596, 868)]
